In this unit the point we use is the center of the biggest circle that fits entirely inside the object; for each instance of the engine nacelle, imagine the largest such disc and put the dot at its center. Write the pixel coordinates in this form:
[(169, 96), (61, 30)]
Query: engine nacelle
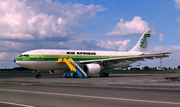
[(56, 72), (92, 68)]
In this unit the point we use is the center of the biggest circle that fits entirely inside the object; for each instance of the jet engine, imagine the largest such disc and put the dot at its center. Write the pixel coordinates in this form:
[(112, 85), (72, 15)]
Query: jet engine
[(56, 72), (92, 68)]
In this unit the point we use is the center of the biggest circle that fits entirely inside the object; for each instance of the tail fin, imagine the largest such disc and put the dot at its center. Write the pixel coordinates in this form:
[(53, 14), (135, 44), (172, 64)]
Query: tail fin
[(142, 44)]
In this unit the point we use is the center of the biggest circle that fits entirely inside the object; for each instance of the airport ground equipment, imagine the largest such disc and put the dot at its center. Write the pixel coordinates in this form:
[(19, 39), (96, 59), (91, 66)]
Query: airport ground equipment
[(172, 78), (70, 75), (73, 67)]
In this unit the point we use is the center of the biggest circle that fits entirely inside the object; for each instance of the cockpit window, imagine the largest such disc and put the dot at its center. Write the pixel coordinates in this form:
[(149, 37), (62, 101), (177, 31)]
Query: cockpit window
[(25, 55), (20, 55)]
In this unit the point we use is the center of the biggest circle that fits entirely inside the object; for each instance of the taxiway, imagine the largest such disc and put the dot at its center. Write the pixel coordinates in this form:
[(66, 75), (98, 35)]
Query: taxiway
[(118, 90)]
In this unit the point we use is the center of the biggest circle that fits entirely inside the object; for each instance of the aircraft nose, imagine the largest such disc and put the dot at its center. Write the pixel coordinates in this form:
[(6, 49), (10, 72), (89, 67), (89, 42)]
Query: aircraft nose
[(14, 60)]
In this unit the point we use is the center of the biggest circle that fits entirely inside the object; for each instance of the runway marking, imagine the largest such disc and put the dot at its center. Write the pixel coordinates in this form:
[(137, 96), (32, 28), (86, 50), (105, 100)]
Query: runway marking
[(86, 96), (15, 104)]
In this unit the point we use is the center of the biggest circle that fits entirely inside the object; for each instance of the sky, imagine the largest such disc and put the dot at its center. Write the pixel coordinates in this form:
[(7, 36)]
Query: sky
[(110, 25)]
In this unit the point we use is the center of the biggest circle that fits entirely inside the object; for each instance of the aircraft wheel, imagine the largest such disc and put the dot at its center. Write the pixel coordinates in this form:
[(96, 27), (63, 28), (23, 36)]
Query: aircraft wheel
[(104, 75), (38, 76), (101, 74), (107, 75)]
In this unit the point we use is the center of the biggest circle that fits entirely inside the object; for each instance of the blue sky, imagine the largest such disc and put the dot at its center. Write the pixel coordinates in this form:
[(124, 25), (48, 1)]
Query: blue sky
[(111, 25)]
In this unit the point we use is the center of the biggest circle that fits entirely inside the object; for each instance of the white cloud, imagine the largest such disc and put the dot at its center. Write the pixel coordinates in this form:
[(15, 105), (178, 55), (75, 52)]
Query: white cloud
[(62, 44), (136, 26), (174, 49), (8, 55), (7, 35), (29, 20), (3, 55), (161, 37), (9, 46), (177, 4), (124, 45), (179, 31), (174, 57), (114, 45), (166, 48), (105, 45), (178, 19)]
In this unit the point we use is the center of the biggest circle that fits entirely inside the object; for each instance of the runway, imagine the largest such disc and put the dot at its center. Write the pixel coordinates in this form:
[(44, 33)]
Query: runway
[(118, 90)]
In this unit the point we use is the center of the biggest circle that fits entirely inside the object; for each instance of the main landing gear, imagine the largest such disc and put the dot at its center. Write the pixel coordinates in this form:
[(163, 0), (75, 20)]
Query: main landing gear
[(103, 74), (38, 75)]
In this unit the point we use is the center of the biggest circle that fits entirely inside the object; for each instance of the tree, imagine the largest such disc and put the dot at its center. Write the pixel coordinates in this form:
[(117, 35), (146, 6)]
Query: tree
[(178, 67)]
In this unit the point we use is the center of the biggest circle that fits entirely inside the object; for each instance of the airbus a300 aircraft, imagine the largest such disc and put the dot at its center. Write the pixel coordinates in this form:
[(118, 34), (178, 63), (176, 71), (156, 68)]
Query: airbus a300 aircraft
[(92, 62)]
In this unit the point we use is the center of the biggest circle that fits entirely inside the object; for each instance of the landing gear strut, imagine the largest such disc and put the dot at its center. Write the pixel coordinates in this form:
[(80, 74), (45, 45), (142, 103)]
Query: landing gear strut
[(103, 74)]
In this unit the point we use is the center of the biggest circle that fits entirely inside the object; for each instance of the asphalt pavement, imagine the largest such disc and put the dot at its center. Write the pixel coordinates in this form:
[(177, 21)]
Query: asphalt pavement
[(118, 90)]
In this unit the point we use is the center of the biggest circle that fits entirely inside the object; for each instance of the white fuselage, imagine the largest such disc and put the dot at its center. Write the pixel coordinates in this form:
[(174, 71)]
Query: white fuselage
[(46, 59)]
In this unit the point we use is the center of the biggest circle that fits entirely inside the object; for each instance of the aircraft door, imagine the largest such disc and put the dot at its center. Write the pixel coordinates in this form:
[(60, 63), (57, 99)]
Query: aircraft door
[(64, 54), (39, 56)]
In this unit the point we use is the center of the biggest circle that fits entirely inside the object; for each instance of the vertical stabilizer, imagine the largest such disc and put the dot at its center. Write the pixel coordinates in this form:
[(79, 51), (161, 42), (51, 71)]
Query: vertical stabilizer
[(142, 44)]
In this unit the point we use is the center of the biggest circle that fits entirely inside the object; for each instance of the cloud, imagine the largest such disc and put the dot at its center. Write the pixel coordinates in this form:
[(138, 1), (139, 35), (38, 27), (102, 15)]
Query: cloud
[(136, 26), (7, 35), (38, 24), (89, 45), (6, 46), (166, 48), (174, 49), (3, 55), (175, 56), (177, 4), (35, 20), (161, 37), (62, 44), (178, 31), (114, 45), (105, 45), (7, 59), (8, 55), (178, 19), (11, 46)]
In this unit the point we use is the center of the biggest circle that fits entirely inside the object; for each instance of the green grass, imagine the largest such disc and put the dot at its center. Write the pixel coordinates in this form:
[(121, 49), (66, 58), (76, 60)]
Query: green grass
[(15, 71), (20, 71), (141, 71)]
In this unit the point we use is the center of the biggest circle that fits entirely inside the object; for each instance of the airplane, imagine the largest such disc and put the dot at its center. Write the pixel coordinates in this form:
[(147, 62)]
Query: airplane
[(92, 62)]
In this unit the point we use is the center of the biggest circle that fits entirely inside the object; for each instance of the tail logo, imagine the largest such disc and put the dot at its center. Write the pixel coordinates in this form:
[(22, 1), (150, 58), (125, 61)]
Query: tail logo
[(144, 41)]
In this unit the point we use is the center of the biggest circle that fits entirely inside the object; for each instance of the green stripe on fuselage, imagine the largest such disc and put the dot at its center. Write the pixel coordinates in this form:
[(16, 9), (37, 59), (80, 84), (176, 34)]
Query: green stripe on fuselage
[(74, 57)]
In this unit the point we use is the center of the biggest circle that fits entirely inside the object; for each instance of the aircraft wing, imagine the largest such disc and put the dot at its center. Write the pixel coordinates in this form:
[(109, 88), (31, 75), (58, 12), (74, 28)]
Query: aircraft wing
[(124, 59)]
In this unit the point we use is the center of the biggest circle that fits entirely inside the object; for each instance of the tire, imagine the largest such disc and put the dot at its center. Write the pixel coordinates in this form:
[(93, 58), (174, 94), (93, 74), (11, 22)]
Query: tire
[(104, 75), (38, 76), (101, 74)]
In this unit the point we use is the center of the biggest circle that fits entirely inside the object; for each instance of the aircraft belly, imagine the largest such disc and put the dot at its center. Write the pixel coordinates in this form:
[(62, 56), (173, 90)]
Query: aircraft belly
[(51, 65), (42, 65)]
